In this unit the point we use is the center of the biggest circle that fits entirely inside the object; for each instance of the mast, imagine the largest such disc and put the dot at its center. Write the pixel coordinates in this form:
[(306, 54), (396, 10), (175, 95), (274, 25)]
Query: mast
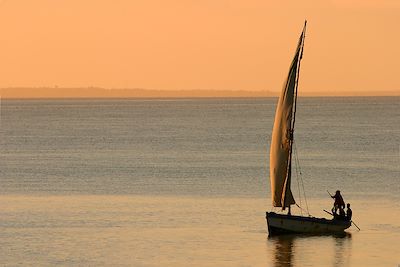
[(297, 82), (291, 130)]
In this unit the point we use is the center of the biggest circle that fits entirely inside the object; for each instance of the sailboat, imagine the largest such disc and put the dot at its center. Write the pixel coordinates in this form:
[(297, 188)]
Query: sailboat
[(281, 163)]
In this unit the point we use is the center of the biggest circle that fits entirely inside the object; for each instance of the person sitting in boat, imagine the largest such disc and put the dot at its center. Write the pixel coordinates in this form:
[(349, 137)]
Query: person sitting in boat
[(339, 202), (349, 212)]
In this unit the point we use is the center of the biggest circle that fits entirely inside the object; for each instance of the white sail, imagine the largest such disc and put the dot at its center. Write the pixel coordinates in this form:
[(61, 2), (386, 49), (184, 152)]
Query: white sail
[(282, 136)]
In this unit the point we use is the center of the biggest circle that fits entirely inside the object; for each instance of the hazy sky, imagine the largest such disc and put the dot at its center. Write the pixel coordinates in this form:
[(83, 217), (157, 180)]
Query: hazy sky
[(207, 44)]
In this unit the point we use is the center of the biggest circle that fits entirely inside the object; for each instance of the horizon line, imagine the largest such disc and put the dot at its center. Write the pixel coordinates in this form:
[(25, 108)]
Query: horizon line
[(137, 93)]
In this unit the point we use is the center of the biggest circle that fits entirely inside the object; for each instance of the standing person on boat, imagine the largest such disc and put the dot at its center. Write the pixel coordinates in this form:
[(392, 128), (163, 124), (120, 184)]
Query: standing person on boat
[(339, 202), (349, 212)]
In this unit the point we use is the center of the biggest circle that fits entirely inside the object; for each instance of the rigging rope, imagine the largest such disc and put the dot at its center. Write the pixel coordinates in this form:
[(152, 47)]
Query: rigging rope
[(299, 174), (298, 187)]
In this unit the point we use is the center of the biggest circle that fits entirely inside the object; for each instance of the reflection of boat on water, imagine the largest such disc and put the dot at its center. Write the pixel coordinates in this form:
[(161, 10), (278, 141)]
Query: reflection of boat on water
[(281, 163), (295, 249), (283, 250)]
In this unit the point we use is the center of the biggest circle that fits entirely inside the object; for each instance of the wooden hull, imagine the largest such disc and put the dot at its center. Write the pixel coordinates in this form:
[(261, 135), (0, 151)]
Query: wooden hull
[(289, 224)]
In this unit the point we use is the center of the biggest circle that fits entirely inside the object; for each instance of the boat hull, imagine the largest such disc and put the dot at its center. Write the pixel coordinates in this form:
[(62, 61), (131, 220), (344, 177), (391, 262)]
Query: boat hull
[(289, 224)]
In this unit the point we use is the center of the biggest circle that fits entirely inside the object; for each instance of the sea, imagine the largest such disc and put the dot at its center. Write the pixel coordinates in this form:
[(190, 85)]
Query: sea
[(185, 182)]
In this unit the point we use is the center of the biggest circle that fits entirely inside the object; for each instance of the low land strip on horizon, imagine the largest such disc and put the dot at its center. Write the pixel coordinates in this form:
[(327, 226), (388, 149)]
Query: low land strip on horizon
[(92, 92)]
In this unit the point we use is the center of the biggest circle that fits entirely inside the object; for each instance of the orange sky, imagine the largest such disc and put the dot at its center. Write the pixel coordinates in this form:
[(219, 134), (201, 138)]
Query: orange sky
[(206, 44)]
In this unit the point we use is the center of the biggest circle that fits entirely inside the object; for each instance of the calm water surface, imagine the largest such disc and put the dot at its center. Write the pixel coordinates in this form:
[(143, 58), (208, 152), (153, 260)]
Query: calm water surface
[(185, 182)]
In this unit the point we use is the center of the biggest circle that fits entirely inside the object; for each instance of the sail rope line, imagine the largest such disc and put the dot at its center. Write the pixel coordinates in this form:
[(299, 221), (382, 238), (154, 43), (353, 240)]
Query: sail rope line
[(298, 182), (299, 174), (300, 177)]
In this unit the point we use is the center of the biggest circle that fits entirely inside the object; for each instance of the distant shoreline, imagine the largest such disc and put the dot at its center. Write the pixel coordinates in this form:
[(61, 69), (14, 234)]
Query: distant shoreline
[(171, 98), (101, 93)]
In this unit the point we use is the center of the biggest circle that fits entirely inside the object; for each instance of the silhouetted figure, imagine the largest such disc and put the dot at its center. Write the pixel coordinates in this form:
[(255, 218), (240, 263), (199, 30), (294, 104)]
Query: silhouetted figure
[(349, 212), (339, 202), (342, 214)]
